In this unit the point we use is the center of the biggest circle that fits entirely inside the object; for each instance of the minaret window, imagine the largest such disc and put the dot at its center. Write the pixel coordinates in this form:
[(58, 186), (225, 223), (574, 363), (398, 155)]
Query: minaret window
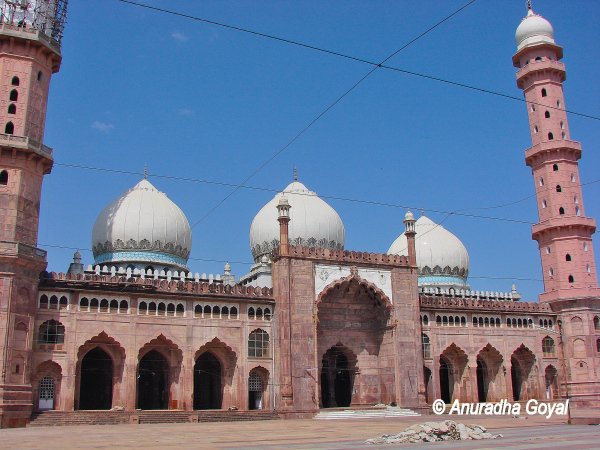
[(538, 58), (585, 247), (564, 135), (562, 125), (572, 178), (544, 93), (535, 129), (541, 181), (15, 81), (558, 103), (9, 128), (14, 95), (588, 269), (571, 279), (555, 167), (532, 107), (3, 178), (551, 272), (568, 257), (577, 211), (548, 251), (576, 200), (544, 204), (558, 188), (12, 108), (550, 136), (39, 76), (547, 114), (561, 210)]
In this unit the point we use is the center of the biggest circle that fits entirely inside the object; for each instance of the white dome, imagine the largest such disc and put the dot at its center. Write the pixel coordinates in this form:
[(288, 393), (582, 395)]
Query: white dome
[(439, 253), (313, 222), (534, 29), (142, 226)]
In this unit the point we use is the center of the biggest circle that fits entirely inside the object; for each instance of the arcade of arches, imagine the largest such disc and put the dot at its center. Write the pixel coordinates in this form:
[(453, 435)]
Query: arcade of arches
[(488, 376), (157, 376)]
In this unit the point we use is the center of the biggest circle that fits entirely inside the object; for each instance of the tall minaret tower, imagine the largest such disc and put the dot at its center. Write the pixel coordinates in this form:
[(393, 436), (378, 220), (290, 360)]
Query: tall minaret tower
[(563, 233), (30, 36)]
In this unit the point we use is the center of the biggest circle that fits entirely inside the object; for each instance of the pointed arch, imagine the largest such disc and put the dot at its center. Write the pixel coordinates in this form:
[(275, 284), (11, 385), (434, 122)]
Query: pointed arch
[(523, 367), (489, 382), (214, 370), (354, 277), (453, 362)]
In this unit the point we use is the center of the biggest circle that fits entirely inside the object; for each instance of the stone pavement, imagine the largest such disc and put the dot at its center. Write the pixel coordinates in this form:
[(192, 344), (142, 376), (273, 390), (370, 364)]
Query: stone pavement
[(531, 433)]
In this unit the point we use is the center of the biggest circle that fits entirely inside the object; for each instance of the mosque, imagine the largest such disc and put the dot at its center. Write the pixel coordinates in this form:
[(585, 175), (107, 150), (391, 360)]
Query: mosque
[(312, 325)]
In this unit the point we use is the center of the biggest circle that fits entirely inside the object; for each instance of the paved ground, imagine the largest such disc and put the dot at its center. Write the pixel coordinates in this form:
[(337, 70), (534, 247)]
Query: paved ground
[(531, 433)]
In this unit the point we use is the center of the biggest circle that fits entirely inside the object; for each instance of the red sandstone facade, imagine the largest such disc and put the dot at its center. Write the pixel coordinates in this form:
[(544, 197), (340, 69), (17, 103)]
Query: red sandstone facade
[(338, 328)]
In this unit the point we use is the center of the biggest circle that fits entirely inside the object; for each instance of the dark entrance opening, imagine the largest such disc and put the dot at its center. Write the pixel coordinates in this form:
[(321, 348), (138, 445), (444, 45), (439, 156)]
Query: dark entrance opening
[(95, 388), (481, 381), (337, 379), (153, 376), (208, 391), (427, 377), (515, 375), (255, 391), (446, 381)]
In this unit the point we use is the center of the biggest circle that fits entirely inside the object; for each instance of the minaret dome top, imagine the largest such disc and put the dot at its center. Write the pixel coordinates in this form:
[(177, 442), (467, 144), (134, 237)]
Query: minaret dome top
[(532, 30)]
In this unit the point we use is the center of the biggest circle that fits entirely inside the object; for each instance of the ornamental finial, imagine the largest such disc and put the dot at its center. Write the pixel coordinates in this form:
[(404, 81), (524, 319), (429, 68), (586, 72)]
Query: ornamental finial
[(529, 5), (145, 171), (295, 174)]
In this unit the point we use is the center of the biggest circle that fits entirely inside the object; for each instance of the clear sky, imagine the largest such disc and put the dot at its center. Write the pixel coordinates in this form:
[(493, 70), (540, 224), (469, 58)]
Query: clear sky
[(197, 101)]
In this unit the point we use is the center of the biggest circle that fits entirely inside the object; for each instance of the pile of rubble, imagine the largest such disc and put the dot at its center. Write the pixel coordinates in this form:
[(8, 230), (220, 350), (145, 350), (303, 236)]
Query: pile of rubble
[(434, 432)]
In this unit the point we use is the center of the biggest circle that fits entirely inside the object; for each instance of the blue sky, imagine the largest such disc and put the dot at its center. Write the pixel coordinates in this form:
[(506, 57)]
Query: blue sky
[(198, 101)]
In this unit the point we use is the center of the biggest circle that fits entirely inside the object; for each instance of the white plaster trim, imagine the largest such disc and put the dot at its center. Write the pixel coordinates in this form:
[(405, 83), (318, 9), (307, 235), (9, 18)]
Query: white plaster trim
[(327, 274)]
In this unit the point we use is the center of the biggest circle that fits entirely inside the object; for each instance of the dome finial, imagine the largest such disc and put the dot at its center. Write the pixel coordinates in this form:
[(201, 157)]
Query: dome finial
[(295, 173), (529, 5), (145, 171)]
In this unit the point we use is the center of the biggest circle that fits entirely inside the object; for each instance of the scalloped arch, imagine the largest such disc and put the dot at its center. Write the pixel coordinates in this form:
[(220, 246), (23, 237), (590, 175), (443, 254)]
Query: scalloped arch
[(354, 277)]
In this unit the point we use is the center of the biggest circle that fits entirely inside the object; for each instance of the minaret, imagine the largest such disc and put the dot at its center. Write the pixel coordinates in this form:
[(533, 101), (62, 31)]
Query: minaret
[(30, 35), (564, 233)]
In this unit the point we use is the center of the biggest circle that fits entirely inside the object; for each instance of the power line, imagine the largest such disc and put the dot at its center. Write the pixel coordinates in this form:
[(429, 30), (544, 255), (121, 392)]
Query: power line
[(355, 58), (458, 212), (326, 110)]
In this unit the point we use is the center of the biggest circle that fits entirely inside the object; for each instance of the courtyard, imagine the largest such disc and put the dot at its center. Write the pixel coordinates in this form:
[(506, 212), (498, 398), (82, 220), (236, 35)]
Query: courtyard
[(519, 433)]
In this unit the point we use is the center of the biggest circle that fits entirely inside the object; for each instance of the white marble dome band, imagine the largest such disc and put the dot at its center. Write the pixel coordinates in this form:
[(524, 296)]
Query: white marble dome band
[(313, 223), (142, 225)]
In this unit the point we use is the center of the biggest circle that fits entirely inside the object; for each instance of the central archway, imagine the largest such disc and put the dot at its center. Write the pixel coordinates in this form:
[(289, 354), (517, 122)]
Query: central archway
[(353, 332), (153, 381), (95, 389), (337, 377), (208, 389)]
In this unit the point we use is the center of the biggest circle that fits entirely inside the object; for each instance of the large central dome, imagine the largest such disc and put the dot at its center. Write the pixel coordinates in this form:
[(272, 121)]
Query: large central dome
[(313, 222), (142, 228)]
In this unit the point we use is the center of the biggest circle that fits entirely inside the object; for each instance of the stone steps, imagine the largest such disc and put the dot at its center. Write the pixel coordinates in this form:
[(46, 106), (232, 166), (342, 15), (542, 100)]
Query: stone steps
[(62, 418), (378, 413)]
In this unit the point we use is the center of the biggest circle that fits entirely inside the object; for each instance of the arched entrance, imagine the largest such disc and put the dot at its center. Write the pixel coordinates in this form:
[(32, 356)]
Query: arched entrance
[(551, 378), (522, 374), (482, 381), (95, 389), (427, 378), (257, 384), (353, 332), (153, 381), (208, 389), (337, 378), (446, 380)]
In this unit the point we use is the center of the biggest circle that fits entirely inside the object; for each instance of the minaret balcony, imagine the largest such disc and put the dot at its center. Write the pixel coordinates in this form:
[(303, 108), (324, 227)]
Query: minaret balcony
[(20, 250), (549, 151), (30, 33), (564, 227), (570, 294), (25, 143), (544, 70)]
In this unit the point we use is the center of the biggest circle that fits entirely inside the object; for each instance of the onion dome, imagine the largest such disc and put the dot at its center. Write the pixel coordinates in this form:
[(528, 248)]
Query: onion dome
[(142, 228), (313, 223), (534, 29), (442, 259)]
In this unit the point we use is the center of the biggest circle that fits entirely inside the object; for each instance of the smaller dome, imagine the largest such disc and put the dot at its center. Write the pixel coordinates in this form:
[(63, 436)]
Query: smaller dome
[(442, 259), (409, 216), (534, 29)]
